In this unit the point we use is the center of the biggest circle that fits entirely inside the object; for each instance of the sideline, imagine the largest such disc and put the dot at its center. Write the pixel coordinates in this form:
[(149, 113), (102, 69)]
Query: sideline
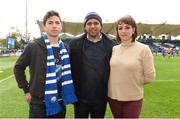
[(6, 78)]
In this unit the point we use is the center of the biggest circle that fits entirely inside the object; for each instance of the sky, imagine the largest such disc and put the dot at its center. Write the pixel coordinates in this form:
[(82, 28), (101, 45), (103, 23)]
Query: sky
[(13, 12)]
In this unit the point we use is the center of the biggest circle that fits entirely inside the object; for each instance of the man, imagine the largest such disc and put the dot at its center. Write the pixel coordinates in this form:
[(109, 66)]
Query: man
[(90, 55), (50, 86)]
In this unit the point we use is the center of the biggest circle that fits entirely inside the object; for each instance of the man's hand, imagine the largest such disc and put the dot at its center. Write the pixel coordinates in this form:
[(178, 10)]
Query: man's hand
[(27, 97)]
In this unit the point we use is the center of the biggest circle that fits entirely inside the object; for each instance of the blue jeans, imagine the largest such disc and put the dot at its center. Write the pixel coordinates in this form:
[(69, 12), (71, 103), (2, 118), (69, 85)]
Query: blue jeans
[(39, 111)]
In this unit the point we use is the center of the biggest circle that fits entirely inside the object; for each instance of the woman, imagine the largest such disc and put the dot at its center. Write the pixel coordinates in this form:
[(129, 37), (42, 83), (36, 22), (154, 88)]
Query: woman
[(131, 68)]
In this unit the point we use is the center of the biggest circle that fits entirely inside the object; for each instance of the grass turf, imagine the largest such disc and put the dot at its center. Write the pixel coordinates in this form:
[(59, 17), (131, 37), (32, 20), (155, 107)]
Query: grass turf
[(161, 98)]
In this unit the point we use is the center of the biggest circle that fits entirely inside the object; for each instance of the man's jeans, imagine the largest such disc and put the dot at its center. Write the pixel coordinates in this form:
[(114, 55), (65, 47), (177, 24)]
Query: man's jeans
[(39, 111)]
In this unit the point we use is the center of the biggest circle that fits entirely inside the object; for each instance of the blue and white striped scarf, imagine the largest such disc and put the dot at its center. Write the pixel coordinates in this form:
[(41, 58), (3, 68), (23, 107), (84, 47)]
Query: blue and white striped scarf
[(51, 91)]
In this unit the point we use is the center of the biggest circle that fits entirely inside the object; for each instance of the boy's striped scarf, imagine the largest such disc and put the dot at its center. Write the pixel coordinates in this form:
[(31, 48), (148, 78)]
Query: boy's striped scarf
[(51, 91)]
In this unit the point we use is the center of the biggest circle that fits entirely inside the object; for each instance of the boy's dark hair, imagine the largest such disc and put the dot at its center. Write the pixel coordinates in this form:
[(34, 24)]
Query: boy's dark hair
[(50, 14)]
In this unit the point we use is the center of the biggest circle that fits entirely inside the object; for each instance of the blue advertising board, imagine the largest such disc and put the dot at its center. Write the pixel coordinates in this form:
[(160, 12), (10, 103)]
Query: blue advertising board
[(11, 42)]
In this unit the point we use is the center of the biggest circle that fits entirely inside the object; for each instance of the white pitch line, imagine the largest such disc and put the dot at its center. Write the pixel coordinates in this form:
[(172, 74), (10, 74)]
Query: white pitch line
[(166, 80), (6, 78), (155, 80)]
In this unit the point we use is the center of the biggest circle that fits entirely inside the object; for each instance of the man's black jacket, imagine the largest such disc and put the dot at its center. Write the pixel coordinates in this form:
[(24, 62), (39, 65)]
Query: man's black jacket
[(76, 47)]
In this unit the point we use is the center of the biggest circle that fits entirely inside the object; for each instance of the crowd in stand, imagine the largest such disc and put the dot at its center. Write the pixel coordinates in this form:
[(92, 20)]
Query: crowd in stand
[(166, 47)]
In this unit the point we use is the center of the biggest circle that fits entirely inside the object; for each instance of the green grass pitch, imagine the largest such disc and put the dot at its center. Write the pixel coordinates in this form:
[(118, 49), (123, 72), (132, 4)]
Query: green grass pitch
[(161, 98)]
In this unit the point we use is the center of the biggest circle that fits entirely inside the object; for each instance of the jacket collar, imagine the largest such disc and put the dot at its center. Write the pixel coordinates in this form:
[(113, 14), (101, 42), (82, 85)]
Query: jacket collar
[(40, 42)]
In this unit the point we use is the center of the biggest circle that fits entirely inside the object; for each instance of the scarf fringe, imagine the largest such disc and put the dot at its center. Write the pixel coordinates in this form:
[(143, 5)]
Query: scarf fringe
[(53, 109)]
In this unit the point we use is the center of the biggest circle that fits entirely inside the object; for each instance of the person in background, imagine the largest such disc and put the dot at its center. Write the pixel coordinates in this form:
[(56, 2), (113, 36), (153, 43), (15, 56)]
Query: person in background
[(163, 51), (131, 67), (177, 50), (50, 87), (90, 55)]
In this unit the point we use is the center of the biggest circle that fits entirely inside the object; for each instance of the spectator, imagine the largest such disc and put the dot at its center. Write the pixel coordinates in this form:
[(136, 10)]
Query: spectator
[(90, 55), (131, 67), (50, 87)]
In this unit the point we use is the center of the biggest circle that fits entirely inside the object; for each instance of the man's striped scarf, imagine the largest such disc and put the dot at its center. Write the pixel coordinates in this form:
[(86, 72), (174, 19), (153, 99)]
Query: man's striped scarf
[(51, 91)]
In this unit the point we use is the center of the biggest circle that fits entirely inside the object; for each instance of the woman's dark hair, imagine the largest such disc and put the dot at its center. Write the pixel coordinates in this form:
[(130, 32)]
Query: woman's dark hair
[(50, 14), (127, 20)]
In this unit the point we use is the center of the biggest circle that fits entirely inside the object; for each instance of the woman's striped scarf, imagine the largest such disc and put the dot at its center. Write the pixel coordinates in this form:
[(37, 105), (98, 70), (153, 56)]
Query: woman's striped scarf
[(51, 91)]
